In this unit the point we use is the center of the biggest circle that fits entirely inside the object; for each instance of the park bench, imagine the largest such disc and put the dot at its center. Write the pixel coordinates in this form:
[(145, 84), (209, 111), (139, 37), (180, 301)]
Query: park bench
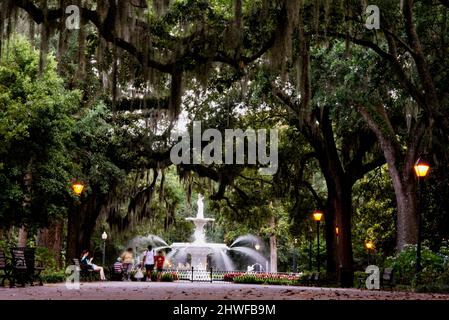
[(19, 271), (313, 279), (387, 278), (4, 268), (25, 267), (34, 266), (86, 272), (308, 280)]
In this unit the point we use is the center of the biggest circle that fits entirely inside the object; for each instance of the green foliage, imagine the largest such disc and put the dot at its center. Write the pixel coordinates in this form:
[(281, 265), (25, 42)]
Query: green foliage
[(434, 267), (270, 279), (168, 277), (35, 124), (374, 217), (47, 259), (54, 277)]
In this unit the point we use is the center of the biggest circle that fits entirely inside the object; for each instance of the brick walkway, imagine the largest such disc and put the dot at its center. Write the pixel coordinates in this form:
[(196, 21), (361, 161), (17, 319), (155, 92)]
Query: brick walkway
[(200, 291)]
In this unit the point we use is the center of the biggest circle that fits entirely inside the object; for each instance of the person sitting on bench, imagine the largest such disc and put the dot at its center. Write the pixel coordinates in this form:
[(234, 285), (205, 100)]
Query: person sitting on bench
[(86, 260)]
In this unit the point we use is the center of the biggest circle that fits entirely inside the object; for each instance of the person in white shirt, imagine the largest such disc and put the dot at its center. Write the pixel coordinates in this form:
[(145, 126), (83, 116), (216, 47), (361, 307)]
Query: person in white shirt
[(148, 261)]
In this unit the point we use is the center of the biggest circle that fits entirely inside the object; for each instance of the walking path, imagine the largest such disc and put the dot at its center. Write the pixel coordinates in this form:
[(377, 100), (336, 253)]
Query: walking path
[(200, 291)]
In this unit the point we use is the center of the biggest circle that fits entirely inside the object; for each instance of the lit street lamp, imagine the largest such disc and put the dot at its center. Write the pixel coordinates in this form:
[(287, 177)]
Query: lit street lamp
[(78, 188), (104, 236), (369, 246), (317, 216), (421, 171)]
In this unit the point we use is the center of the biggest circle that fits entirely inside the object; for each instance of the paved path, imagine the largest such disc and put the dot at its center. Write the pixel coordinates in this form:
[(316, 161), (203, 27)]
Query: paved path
[(200, 291)]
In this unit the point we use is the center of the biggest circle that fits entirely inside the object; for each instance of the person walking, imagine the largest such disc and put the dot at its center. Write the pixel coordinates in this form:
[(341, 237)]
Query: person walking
[(159, 259), (128, 262), (148, 261)]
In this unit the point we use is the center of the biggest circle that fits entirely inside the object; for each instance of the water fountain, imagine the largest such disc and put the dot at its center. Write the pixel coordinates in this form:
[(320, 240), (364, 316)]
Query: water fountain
[(199, 249)]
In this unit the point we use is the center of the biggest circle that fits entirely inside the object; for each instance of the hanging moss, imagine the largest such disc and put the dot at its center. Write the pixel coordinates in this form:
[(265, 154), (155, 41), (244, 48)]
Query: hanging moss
[(161, 187), (175, 94), (327, 9), (81, 73), (316, 16), (281, 52), (45, 36), (161, 7), (8, 21)]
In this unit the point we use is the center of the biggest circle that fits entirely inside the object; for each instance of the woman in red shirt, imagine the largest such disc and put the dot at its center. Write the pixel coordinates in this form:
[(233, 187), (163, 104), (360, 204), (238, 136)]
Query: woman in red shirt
[(159, 261)]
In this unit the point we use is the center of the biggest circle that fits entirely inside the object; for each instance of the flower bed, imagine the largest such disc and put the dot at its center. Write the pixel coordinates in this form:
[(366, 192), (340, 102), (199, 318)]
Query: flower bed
[(165, 277), (230, 276), (266, 278)]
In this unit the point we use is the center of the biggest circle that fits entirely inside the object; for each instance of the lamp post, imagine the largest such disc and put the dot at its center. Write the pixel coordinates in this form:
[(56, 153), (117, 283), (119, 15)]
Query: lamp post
[(421, 171), (317, 216), (337, 233), (294, 254), (369, 246), (310, 247), (104, 236), (77, 188)]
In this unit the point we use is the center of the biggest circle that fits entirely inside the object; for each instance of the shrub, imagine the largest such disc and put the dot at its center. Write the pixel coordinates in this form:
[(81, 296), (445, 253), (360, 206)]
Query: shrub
[(54, 277), (266, 278), (357, 276), (48, 259), (404, 265), (169, 277)]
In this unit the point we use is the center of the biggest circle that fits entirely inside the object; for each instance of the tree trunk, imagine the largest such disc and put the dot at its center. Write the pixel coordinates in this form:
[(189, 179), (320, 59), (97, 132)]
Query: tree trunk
[(273, 247), (404, 182), (51, 238), (41, 237), (339, 208), (72, 235), (405, 191), (343, 213), (340, 212), (81, 224), (23, 237), (26, 203), (331, 250)]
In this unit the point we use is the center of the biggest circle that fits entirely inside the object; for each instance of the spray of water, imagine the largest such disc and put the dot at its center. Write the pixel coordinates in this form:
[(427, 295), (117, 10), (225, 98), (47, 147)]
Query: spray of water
[(247, 240)]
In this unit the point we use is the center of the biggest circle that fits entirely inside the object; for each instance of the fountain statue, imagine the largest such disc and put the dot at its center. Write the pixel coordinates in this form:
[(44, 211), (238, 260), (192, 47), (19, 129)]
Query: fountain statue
[(200, 222), (200, 204), (199, 249)]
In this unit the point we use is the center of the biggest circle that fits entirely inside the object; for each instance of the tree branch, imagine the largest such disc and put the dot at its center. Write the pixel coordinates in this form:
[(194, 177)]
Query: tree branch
[(445, 3), (403, 78)]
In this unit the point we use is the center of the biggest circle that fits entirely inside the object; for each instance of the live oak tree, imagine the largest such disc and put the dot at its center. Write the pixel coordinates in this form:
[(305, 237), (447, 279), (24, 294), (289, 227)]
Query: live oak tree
[(35, 125)]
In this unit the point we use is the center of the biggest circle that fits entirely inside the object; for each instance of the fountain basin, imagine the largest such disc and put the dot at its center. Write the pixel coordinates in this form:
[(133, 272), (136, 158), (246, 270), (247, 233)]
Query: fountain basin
[(199, 251)]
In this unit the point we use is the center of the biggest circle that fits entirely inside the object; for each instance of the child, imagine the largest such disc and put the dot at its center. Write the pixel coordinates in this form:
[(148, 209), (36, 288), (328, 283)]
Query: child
[(159, 260), (118, 268)]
